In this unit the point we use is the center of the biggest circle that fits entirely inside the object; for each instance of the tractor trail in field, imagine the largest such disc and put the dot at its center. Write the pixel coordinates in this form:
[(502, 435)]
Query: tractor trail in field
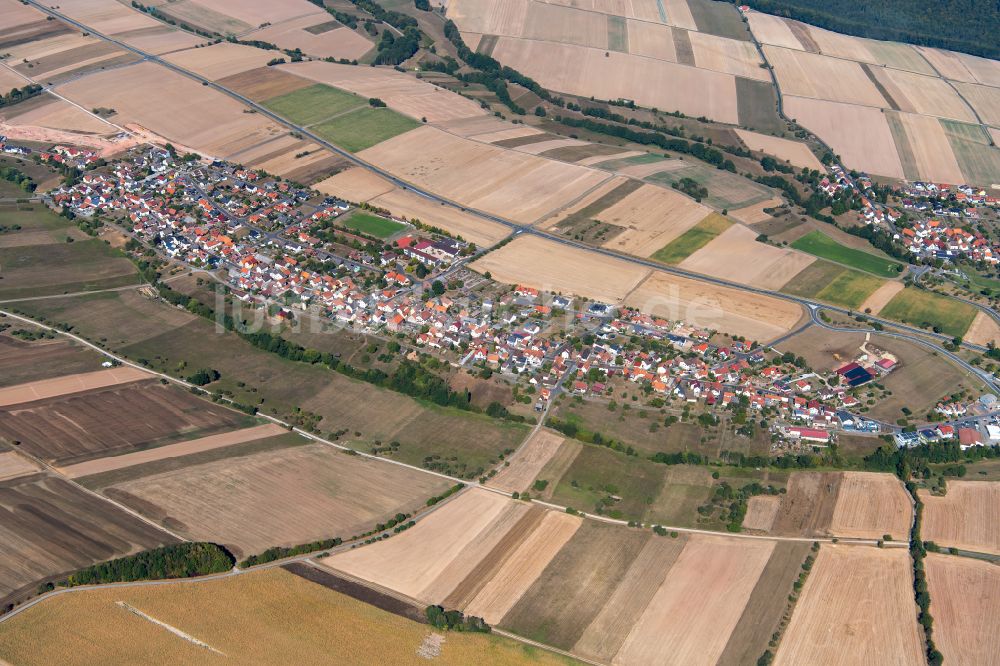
[(171, 629)]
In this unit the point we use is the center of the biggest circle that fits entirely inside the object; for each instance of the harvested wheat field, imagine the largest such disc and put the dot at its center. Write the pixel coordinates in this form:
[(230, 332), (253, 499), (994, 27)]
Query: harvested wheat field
[(966, 596), (278, 497), (551, 266), (66, 56), (870, 505), (690, 618), (579, 70), (489, 18), (471, 227), (106, 16), (652, 216), (16, 14), (410, 562), (487, 128), (604, 635), (807, 508), (42, 52), (983, 331), (576, 584), (881, 296), (793, 152), (732, 56), (474, 565), (503, 182), (355, 184), (927, 95), (58, 386), (264, 83), (508, 577), (736, 255), (305, 163), (755, 213), (929, 155), (178, 450), (950, 64), (856, 607), (591, 204), (53, 113), (985, 71), (49, 527), (984, 99), (296, 614), (22, 361), (539, 147), (761, 512), (651, 40), (159, 39), (174, 107), (72, 428), (859, 134), (405, 94), (528, 461), (820, 77), (220, 60), (299, 33), (965, 518), (13, 465), (715, 307), (773, 30)]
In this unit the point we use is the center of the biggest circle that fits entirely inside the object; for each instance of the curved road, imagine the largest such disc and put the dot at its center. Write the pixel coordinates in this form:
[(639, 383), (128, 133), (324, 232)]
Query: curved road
[(517, 228)]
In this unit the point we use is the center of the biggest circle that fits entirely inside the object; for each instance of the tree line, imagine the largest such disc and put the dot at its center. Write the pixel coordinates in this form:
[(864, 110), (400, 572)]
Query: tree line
[(182, 560), (20, 94), (705, 153)]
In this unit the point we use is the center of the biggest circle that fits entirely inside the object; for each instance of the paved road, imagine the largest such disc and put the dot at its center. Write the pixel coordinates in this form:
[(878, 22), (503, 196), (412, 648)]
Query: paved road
[(984, 376), (515, 227)]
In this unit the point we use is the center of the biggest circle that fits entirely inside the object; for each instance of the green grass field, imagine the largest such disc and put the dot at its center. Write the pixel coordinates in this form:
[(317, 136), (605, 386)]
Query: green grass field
[(833, 283), (692, 240), (363, 128), (598, 472), (315, 103), (371, 225), (917, 307), (821, 245)]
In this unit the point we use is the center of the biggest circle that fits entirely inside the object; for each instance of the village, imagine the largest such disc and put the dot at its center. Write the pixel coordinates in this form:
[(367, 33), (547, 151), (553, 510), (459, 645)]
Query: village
[(294, 252)]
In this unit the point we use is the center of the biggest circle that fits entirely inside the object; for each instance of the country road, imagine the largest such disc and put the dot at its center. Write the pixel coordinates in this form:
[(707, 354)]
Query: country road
[(515, 227)]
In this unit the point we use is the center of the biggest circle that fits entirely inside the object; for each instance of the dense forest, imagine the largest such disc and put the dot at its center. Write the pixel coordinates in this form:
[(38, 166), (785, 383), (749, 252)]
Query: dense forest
[(181, 560), (970, 26)]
